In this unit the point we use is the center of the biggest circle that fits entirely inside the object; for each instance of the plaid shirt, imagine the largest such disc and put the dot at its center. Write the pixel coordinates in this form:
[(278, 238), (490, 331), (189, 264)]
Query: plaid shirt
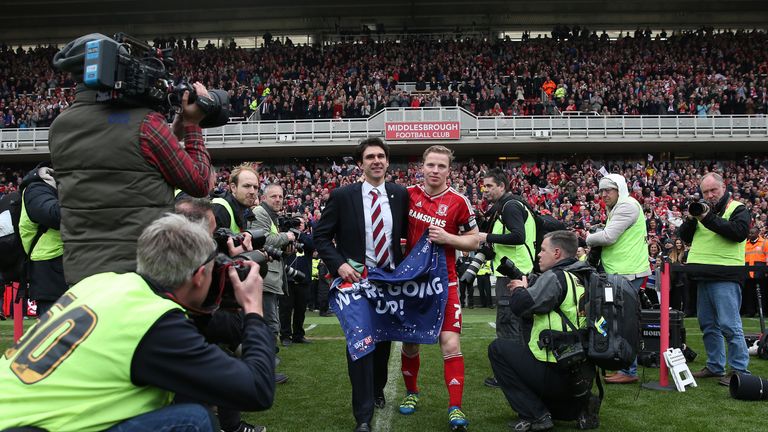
[(186, 167)]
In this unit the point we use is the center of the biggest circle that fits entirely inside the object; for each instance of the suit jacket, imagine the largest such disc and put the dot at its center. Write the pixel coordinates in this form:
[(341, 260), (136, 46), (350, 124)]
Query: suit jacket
[(343, 220)]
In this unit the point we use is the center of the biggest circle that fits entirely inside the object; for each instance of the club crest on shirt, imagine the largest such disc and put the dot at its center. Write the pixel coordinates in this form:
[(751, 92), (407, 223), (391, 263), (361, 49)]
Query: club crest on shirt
[(442, 210)]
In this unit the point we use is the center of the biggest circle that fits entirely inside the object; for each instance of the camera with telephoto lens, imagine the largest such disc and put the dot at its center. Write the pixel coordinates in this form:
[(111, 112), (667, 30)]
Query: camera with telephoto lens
[(129, 72), (698, 208), (292, 224), (298, 276), (221, 235), (509, 269), (485, 253), (221, 293)]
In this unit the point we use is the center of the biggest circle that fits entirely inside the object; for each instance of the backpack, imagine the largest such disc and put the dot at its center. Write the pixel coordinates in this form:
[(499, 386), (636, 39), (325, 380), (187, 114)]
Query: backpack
[(612, 306)]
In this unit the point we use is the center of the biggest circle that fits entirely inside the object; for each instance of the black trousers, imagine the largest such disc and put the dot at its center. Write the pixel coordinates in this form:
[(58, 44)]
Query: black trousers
[(323, 286), (368, 376), (749, 295), (484, 287), (466, 294), (293, 308), (534, 388)]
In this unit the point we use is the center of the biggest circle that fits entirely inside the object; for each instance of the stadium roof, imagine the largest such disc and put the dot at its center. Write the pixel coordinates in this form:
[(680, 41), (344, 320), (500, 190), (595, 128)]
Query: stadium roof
[(56, 21)]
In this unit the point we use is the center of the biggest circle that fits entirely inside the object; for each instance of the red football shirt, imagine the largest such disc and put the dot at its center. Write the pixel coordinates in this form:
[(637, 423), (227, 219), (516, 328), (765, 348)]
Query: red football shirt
[(449, 210)]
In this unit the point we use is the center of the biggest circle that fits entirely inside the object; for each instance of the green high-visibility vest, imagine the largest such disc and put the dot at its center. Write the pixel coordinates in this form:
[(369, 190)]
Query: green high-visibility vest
[(72, 371), (232, 222), (711, 248), (315, 263), (485, 269), (48, 247), (552, 321), (522, 255), (629, 254)]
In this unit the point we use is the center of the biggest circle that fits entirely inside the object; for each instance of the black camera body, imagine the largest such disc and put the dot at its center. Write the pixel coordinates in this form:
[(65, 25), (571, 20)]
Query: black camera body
[(128, 71), (509, 269), (221, 291)]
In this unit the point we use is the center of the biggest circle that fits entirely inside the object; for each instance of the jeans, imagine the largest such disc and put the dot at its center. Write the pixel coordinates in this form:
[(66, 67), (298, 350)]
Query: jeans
[(632, 370), (270, 302), (176, 418), (718, 311)]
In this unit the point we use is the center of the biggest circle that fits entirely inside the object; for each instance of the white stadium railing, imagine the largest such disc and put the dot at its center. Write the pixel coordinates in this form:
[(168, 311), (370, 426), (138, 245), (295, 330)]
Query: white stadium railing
[(588, 127)]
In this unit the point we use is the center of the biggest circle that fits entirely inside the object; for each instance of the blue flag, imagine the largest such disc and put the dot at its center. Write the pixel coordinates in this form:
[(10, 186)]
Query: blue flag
[(406, 305)]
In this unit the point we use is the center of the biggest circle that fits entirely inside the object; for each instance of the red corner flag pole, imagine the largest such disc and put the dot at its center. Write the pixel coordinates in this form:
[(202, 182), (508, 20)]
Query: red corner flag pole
[(664, 316), (663, 383), (18, 314)]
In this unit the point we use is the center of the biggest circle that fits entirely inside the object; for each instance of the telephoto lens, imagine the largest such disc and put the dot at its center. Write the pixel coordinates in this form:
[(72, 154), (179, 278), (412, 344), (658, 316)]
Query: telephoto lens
[(697, 208), (748, 387)]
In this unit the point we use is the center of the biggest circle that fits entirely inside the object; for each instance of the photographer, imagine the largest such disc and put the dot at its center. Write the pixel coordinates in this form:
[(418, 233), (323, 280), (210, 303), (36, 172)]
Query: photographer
[(622, 246), (117, 164), (511, 233), (123, 369), (224, 326), (232, 208), (538, 386), (717, 232), (293, 305), (39, 224), (275, 284)]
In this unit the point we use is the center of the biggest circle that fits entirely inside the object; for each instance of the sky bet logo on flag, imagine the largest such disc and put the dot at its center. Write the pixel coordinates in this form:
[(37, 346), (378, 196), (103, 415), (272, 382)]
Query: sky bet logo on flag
[(406, 305)]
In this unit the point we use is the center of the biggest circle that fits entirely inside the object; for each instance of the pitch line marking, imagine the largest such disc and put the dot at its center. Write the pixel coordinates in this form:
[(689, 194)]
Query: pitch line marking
[(383, 419)]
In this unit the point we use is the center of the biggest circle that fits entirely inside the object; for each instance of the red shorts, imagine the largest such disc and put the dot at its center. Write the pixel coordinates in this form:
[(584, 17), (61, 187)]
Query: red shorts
[(452, 321)]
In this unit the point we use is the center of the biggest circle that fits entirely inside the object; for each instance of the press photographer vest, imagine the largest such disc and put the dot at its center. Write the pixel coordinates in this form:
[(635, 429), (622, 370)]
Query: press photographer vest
[(48, 247), (708, 247), (232, 221), (108, 192), (73, 370), (629, 254), (521, 255), (552, 321)]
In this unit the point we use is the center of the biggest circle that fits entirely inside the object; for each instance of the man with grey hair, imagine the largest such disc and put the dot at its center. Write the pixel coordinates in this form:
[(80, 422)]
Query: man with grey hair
[(717, 235), (275, 283), (624, 250), (120, 363)]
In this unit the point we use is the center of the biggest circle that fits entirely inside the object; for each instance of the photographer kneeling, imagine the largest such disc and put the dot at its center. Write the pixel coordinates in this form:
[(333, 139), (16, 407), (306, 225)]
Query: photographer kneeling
[(116, 365), (539, 381)]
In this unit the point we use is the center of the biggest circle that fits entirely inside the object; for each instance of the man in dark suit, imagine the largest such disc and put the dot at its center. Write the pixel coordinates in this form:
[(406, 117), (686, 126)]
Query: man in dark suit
[(367, 221)]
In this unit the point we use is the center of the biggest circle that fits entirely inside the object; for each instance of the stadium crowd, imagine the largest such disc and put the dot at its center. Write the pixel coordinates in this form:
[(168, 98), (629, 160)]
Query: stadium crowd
[(566, 189), (703, 73)]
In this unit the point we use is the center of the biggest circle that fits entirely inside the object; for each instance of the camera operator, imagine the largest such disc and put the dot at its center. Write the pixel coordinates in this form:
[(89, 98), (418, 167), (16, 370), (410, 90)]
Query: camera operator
[(717, 232), (117, 165), (122, 370), (622, 246), (511, 233), (275, 284), (293, 305), (539, 386)]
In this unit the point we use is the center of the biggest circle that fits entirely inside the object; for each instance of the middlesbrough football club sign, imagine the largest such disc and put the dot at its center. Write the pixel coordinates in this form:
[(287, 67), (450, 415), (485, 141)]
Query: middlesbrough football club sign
[(422, 130)]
